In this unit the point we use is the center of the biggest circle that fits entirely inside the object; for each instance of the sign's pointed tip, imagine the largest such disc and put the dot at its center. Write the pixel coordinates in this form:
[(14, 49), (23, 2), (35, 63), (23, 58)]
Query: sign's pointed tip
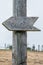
[(3, 23), (6, 26), (35, 29), (14, 24)]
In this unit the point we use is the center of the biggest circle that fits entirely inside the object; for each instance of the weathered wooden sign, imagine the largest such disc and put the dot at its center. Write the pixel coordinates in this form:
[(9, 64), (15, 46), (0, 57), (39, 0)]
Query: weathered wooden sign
[(20, 23)]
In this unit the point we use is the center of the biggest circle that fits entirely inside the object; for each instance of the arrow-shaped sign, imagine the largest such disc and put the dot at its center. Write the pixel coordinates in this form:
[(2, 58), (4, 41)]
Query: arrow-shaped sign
[(20, 24)]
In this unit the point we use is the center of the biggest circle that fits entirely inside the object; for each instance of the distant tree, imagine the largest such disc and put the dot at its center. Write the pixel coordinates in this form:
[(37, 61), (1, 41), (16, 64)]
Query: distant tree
[(10, 47), (33, 48), (5, 45), (38, 47), (29, 48), (42, 48)]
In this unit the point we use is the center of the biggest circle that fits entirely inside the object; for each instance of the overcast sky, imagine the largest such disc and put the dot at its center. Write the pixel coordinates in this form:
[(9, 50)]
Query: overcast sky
[(34, 8)]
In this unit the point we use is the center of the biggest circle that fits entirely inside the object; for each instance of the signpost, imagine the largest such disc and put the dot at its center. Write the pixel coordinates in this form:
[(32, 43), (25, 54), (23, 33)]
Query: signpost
[(19, 24)]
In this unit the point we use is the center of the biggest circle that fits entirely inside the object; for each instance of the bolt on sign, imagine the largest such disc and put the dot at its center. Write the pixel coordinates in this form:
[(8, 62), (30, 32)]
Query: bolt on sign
[(20, 24)]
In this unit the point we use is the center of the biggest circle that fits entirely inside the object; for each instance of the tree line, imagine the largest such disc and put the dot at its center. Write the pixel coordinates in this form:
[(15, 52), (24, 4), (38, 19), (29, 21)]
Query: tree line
[(29, 48)]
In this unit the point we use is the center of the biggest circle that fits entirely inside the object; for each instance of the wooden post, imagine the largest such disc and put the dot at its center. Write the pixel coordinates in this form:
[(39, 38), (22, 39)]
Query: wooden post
[(19, 54), (19, 8)]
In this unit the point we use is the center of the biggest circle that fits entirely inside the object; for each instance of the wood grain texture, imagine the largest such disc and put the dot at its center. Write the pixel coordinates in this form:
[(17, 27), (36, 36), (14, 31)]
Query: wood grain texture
[(19, 37), (19, 8), (20, 23), (19, 51)]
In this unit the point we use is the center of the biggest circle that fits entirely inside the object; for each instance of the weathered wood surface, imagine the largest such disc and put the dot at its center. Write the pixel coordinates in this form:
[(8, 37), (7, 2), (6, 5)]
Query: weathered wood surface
[(19, 8), (20, 23), (19, 51)]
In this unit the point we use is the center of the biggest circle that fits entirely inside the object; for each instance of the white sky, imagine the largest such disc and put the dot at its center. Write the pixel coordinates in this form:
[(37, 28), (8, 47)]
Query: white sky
[(34, 8)]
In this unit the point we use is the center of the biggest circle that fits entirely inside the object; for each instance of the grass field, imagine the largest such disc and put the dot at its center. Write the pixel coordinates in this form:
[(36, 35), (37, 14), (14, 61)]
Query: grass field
[(33, 58)]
